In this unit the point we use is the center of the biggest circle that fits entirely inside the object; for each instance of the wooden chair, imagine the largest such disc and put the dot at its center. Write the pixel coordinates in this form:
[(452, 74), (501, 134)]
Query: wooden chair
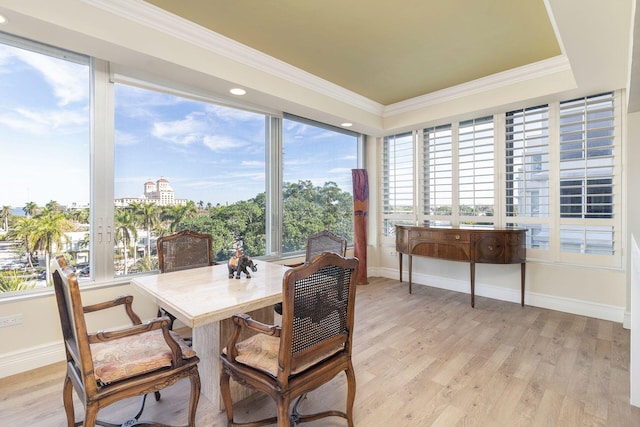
[(106, 367), (181, 251), (324, 241), (312, 346)]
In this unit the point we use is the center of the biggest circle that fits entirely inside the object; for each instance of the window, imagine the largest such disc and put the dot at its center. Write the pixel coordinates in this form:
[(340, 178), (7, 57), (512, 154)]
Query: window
[(476, 168), (587, 166), (45, 139), (317, 181), (185, 164), (527, 173), (102, 173), (398, 182), (437, 167), (558, 176)]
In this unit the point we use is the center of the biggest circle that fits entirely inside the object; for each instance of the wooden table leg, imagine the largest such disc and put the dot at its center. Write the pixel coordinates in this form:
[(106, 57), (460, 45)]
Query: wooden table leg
[(400, 265)]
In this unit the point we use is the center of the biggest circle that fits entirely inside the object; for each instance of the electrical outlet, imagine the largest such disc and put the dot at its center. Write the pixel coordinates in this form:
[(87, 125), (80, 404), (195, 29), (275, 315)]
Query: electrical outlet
[(16, 319)]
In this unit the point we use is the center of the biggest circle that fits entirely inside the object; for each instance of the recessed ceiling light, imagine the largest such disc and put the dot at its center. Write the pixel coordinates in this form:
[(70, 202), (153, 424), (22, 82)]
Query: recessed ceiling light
[(238, 91), (347, 124), (3, 19)]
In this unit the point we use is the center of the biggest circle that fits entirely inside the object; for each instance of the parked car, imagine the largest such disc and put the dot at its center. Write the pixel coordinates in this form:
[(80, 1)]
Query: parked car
[(83, 272)]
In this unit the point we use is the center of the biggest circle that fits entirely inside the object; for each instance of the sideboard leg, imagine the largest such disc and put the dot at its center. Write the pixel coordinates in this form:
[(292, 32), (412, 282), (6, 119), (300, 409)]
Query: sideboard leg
[(410, 268), (400, 265), (472, 266), (522, 276)]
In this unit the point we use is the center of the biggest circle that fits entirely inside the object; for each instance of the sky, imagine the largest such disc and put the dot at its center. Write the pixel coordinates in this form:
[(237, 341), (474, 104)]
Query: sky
[(207, 152)]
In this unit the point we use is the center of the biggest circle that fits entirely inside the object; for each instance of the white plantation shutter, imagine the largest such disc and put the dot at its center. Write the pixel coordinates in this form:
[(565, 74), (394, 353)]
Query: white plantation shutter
[(398, 182), (476, 169), (437, 175), (587, 175), (527, 173)]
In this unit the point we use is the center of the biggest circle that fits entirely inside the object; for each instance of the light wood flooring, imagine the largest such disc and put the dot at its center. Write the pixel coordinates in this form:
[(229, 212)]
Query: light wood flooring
[(426, 359)]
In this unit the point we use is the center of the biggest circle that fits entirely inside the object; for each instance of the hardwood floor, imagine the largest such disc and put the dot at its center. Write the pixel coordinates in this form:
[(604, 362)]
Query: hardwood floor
[(426, 359)]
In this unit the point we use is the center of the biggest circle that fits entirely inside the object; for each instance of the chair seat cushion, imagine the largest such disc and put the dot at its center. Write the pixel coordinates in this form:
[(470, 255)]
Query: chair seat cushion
[(261, 352), (135, 355)]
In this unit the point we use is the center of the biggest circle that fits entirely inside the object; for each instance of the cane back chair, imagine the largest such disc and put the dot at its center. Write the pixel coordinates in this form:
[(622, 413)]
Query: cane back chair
[(324, 241), (181, 251), (107, 366), (312, 345)]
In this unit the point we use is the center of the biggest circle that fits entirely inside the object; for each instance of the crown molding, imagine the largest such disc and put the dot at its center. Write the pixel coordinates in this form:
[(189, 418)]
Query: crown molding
[(538, 69), (160, 20)]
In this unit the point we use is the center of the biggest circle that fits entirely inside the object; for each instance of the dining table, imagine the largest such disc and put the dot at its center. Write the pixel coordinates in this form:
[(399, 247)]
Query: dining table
[(202, 298)]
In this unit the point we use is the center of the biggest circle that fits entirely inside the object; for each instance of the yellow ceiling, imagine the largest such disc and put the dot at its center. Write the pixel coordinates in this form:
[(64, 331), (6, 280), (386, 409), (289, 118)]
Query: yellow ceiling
[(386, 51)]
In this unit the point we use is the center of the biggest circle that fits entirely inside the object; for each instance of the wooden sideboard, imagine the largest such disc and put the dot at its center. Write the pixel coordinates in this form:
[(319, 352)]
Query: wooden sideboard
[(473, 245)]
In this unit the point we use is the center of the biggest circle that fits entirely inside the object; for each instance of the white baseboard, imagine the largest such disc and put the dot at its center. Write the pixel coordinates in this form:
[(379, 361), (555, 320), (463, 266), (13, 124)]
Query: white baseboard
[(567, 305), (32, 358)]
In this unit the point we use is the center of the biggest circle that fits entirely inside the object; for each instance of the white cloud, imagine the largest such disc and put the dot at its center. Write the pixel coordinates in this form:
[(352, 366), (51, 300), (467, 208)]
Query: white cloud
[(126, 138), (222, 143), (44, 122), (69, 81)]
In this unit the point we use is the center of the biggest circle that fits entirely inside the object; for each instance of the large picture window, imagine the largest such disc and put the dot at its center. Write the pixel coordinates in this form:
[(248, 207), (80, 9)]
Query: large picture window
[(102, 164), (45, 140), (317, 181), (185, 164)]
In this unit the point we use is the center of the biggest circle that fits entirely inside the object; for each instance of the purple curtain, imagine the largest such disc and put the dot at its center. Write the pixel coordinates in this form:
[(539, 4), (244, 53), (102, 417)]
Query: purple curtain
[(360, 221)]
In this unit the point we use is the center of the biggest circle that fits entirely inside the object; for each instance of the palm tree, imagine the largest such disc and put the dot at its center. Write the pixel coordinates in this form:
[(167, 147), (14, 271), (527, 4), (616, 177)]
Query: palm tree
[(125, 232), (23, 230), (30, 209), (148, 215), (53, 206), (48, 234), (5, 213), (176, 214)]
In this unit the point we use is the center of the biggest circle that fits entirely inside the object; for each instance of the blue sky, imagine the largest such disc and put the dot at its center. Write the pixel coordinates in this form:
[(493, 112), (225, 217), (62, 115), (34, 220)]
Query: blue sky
[(207, 152)]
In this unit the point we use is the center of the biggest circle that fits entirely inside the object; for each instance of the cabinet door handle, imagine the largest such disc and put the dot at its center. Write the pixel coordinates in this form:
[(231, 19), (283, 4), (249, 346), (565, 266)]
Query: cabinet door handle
[(490, 247), (457, 237)]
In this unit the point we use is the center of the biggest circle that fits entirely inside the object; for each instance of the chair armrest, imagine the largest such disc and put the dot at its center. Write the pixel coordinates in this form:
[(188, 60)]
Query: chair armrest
[(126, 300), (244, 320)]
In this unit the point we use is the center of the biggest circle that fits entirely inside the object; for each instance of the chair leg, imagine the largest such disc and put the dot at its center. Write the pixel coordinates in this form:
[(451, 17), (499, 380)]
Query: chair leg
[(225, 392), (194, 397), (67, 397), (284, 420), (90, 415), (351, 393)]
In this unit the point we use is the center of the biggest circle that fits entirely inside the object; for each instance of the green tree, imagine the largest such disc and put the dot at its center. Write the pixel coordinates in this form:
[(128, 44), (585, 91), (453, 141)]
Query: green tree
[(126, 233), (30, 209), (49, 233), (148, 216), (5, 213), (174, 215), (12, 281), (23, 230)]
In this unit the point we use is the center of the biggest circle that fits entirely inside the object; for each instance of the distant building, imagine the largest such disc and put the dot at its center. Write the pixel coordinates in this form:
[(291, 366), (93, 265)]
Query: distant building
[(159, 192)]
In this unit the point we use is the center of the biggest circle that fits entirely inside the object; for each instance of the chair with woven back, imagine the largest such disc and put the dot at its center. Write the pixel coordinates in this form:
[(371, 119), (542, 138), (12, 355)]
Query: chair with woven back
[(181, 251), (312, 345), (317, 243), (108, 366)]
